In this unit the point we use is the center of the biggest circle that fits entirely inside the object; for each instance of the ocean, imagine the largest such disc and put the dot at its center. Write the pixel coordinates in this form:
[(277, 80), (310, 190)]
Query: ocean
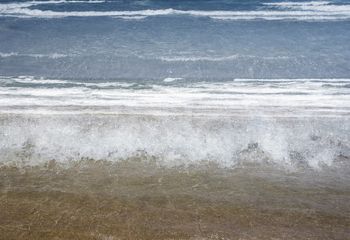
[(174, 119)]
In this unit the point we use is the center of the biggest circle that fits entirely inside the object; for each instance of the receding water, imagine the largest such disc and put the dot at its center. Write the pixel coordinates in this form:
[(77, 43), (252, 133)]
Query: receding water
[(139, 199)]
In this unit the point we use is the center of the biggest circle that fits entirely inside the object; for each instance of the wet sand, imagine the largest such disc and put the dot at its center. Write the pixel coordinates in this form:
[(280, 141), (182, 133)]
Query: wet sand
[(138, 199)]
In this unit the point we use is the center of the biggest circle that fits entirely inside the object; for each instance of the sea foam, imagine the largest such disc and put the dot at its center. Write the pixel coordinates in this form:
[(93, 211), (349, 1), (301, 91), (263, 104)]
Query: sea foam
[(301, 97), (175, 140)]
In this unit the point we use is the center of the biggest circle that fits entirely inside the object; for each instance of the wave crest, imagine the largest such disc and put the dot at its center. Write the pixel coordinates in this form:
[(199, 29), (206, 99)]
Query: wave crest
[(290, 143)]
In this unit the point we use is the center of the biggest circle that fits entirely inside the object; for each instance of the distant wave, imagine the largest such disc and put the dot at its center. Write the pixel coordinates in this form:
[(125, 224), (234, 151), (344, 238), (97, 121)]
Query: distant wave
[(215, 58), (198, 58), (30, 80), (321, 6), (306, 3), (174, 58), (171, 79), (301, 97), (15, 54), (317, 10)]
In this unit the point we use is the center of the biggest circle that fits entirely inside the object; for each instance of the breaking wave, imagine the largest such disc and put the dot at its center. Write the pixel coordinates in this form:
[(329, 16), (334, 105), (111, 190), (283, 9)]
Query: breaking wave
[(176, 96), (291, 143), (290, 123), (303, 11)]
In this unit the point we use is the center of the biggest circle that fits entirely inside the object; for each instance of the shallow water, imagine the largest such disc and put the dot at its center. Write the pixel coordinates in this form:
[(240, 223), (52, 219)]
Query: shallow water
[(139, 199)]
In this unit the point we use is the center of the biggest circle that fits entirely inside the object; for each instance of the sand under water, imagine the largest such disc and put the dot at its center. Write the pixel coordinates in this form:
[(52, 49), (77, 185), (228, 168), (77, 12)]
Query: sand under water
[(139, 198)]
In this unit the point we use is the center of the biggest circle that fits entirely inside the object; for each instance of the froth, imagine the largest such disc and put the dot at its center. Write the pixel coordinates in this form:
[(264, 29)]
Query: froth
[(33, 55), (290, 143), (176, 96)]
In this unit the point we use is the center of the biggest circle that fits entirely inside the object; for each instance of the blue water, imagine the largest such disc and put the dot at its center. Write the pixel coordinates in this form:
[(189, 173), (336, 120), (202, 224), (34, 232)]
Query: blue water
[(178, 80), (130, 44), (209, 119)]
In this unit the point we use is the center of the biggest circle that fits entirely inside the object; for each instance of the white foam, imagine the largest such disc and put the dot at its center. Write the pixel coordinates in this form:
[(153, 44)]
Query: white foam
[(216, 58), (299, 18), (171, 79), (34, 55), (32, 80), (5, 55), (308, 3), (131, 17), (199, 58), (33, 139), (321, 6), (282, 97), (4, 7)]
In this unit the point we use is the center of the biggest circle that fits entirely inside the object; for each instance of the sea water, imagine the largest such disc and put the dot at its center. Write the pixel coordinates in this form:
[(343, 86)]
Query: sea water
[(232, 115)]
